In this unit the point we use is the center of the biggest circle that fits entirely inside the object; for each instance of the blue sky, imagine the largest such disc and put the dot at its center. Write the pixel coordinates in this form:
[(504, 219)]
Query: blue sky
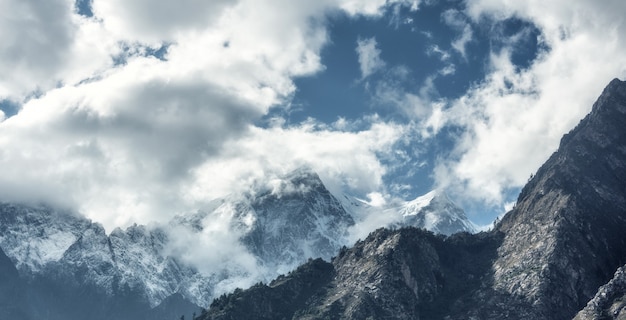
[(136, 111), (420, 42)]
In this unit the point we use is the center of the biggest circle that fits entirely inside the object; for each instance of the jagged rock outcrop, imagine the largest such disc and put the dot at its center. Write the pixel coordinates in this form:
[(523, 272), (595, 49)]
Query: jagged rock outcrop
[(544, 260), (609, 302)]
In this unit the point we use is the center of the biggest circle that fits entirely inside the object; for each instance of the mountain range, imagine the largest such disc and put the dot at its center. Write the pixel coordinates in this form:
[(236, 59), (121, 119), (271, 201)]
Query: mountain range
[(59, 265), (553, 256)]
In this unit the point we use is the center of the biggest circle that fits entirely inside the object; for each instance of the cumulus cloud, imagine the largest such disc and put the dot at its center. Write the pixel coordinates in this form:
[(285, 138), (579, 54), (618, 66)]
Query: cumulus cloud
[(415, 104), (369, 57), (342, 159), (514, 118), (45, 45), (156, 21)]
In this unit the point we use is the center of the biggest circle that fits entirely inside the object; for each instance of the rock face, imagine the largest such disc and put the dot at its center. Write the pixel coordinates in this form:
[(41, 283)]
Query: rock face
[(609, 302), (12, 291), (566, 235), (544, 260)]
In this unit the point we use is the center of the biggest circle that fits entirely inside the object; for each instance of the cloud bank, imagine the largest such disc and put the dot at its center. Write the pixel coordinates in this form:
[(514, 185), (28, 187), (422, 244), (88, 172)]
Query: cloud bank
[(148, 109)]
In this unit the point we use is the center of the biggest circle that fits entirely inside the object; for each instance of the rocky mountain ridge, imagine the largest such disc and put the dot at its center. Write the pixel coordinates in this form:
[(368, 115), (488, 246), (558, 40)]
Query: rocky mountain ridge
[(545, 259)]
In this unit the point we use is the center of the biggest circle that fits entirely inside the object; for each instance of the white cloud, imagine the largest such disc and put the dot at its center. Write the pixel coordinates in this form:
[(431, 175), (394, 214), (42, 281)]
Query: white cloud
[(144, 139), (457, 20), (390, 91), (369, 57), (344, 160), (444, 56), (515, 118), (368, 7), (155, 21), (45, 45)]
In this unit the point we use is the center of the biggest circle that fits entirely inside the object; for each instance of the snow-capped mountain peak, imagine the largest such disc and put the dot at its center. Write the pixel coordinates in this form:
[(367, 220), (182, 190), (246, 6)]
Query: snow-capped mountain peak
[(433, 211), (414, 206), (436, 212)]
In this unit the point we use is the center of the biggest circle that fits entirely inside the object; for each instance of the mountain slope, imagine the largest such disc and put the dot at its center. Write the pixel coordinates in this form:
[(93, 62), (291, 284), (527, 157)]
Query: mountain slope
[(403, 274), (566, 236), (71, 269), (296, 220), (435, 212), (544, 260)]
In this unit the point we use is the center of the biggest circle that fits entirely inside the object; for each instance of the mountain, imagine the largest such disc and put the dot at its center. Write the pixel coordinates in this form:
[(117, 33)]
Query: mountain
[(295, 220), (435, 212), (69, 268), (566, 236), (408, 273), (282, 222), (545, 259)]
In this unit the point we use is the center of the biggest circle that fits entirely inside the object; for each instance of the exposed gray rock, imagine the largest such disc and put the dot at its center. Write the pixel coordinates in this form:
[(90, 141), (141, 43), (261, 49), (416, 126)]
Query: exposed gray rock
[(609, 302)]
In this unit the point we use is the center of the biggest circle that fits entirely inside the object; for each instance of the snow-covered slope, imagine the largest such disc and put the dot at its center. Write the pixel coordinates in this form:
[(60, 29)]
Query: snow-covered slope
[(44, 243), (295, 220), (435, 212), (35, 236)]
